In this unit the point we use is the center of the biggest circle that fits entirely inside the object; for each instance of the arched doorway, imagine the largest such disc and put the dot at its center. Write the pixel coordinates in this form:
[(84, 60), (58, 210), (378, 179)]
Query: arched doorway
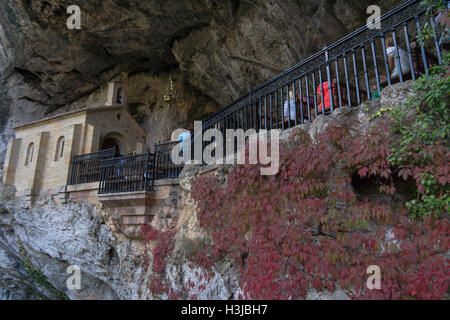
[(110, 143)]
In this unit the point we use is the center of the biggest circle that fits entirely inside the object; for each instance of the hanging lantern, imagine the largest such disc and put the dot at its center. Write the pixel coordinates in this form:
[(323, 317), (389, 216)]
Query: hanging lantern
[(170, 93)]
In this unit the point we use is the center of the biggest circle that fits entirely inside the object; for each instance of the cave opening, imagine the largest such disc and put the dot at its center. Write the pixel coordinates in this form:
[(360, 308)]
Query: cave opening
[(369, 188)]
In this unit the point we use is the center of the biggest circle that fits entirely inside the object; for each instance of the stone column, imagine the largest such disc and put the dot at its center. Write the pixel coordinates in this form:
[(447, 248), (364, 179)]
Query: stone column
[(11, 161)]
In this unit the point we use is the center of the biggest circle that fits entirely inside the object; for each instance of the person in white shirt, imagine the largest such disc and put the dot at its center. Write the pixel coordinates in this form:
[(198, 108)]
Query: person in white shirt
[(289, 104), (391, 52)]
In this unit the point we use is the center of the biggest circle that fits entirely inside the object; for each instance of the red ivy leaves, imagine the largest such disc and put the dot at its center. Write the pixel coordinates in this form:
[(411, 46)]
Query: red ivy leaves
[(295, 231), (162, 250)]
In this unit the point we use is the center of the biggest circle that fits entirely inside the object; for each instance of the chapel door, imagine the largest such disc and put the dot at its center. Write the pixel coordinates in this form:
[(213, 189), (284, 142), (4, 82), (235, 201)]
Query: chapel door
[(110, 143)]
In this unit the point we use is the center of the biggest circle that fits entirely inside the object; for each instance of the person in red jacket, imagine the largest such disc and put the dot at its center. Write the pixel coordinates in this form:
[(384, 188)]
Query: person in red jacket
[(326, 96)]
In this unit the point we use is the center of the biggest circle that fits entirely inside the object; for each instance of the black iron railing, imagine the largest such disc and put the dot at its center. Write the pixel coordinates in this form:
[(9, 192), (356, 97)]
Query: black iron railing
[(342, 75), (127, 174), (165, 167), (86, 168), (358, 67)]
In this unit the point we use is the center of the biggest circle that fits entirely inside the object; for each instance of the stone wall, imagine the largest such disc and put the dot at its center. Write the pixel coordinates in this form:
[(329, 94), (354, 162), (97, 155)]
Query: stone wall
[(120, 125), (45, 170)]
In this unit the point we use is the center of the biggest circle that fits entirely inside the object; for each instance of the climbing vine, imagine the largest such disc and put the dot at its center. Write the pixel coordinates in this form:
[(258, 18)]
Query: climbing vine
[(164, 247), (422, 150), (432, 8)]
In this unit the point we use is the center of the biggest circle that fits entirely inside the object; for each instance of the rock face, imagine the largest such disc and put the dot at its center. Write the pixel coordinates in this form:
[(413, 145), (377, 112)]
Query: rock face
[(217, 50), (214, 50), (51, 238)]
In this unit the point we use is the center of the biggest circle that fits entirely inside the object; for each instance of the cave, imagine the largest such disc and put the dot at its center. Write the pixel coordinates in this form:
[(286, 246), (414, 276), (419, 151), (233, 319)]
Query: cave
[(368, 188)]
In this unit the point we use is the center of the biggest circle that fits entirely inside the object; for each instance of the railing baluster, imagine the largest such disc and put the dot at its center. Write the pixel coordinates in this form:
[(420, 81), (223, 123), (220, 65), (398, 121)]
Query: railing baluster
[(356, 77), (248, 114), (375, 64), (397, 56), (436, 39), (302, 116), (251, 126), (347, 81), (271, 111), (244, 118), (138, 175), (144, 169), (386, 61), (260, 118), (330, 84), (338, 80), (366, 74), (283, 105), (321, 91), (240, 118), (276, 108), (307, 98), (314, 91), (422, 48), (408, 48), (265, 113), (295, 102)]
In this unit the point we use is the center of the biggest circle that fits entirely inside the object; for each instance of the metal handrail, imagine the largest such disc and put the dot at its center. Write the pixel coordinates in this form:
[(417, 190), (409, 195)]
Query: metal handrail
[(396, 17), (86, 168), (164, 166), (127, 174), (94, 154)]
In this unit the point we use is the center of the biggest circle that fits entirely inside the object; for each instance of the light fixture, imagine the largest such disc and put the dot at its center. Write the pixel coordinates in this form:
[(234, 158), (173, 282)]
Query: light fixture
[(170, 92)]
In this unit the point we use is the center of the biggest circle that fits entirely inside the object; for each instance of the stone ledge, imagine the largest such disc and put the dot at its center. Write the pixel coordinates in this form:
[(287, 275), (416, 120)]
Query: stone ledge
[(208, 168), (138, 195), (83, 187), (166, 182)]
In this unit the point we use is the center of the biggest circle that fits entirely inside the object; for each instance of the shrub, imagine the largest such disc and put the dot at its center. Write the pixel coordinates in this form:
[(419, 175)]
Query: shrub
[(422, 149)]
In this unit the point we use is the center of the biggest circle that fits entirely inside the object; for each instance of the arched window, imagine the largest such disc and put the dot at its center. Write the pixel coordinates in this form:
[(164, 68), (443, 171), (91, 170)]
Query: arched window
[(119, 99), (59, 148), (30, 151)]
